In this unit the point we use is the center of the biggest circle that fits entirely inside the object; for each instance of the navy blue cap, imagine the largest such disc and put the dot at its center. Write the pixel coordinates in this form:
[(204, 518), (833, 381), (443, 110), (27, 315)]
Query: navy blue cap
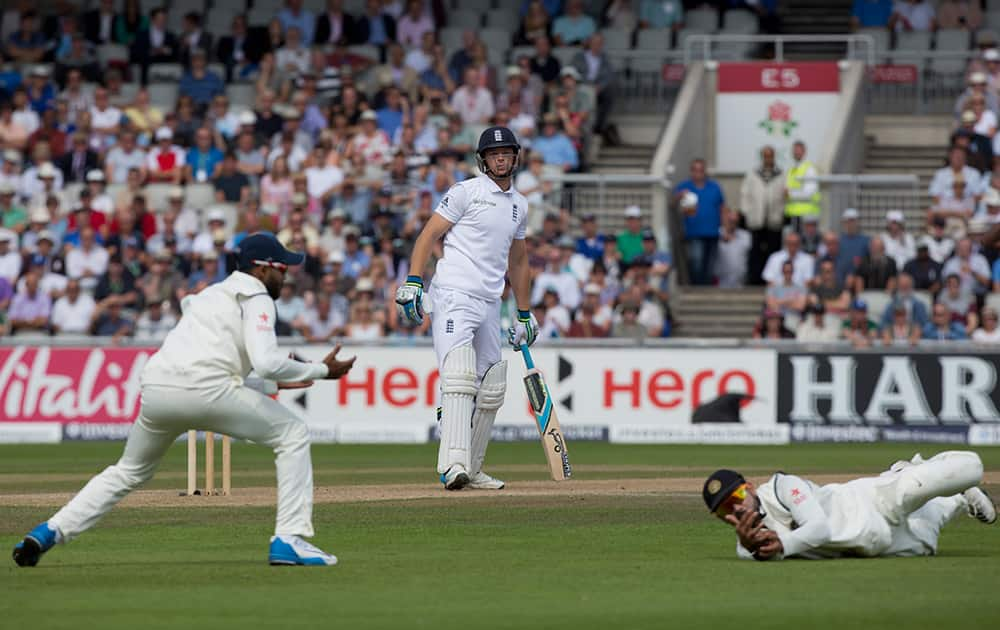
[(263, 248), (719, 486)]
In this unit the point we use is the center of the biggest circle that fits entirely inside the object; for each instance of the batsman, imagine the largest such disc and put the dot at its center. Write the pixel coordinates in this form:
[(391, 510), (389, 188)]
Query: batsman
[(482, 220)]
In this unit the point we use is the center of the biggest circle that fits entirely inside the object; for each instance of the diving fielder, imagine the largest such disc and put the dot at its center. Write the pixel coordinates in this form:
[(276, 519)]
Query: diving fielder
[(899, 513), (482, 221), (199, 379)]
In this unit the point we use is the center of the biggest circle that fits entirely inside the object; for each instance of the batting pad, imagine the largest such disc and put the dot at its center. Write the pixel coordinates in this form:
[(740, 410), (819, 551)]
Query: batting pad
[(488, 403), (458, 391)]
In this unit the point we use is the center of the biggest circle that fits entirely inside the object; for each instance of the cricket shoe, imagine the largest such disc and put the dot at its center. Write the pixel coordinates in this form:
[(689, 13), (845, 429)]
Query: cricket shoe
[(293, 550), (482, 481), (38, 541), (456, 478), (980, 505)]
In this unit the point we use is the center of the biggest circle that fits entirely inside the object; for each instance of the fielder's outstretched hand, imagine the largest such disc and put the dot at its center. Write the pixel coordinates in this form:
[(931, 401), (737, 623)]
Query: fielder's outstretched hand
[(336, 367), (750, 529)]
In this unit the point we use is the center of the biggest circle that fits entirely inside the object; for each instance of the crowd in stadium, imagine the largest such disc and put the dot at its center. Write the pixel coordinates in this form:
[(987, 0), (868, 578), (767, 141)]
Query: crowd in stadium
[(115, 204)]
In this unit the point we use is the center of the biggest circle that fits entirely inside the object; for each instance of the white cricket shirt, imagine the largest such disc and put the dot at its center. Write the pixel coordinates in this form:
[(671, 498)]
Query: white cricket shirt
[(486, 220)]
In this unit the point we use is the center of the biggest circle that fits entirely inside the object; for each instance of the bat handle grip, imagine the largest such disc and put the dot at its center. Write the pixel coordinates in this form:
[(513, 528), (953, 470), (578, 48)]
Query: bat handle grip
[(528, 361)]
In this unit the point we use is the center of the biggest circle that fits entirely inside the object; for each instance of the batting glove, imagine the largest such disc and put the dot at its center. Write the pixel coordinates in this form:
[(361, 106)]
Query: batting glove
[(409, 300), (525, 331)]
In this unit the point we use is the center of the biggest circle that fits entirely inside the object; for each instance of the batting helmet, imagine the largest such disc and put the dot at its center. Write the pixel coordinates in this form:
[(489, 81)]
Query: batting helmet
[(495, 138)]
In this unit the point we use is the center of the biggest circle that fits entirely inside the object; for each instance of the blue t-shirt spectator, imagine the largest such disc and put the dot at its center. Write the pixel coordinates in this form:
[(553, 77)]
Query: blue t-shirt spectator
[(872, 13), (552, 7), (356, 263), (44, 101), (955, 332), (556, 149), (203, 163), (661, 13), (305, 21), (853, 249), (573, 30), (707, 220), (591, 248), (389, 120), (201, 90)]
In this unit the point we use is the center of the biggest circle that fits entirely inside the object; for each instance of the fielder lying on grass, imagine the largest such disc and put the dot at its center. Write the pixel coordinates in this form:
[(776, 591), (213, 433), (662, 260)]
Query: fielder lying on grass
[(899, 513)]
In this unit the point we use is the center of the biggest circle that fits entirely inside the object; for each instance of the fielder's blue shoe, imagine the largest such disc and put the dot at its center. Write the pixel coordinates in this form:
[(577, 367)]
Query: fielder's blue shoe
[(292, 550), (38, 541)]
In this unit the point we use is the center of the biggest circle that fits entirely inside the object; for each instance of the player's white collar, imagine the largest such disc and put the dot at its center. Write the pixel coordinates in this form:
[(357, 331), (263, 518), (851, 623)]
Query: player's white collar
[(495, 187)]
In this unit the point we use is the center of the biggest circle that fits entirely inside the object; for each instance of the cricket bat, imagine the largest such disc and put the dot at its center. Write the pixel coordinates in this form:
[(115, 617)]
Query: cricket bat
[(545, 417)]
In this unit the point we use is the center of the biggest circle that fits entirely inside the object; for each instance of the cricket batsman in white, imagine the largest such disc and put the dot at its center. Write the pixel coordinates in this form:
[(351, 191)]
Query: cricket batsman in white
[(899, 513), (482, 221), (200, 379)]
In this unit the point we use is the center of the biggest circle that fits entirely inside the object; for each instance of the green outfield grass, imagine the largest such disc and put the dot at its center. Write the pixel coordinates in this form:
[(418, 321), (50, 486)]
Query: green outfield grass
[(481, 561)]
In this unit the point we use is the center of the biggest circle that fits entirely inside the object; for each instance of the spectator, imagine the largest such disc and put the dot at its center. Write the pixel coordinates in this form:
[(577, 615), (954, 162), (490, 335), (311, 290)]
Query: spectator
[(810, 235), (472, 101), (803, 264), (10, 258), (831, 250), (786, 296), (105, 119), (210, 271), (857, 328), (594, 67), (289, 306), (239, 51), (363, 325), (37, 183), (323, 179), (13, 216), (913, 15), (76, 163), (292, 57), (942, 327), (231, 186), (574, 26), (876, 270), (629, 326), (772, 326), (130, 23), (925, 271), (165, 162), (413, 24), (661, 14), (829, 291), (735, 245), (117, 285), (193, 39), (40, 92), (899, 245), (620, 15), (816, 327), (955, 208), (629, 240), (977, 85), (959, 14), (904, 298), (109, 321), (762, 203), (72, 313), (78, 99), (702, 221), (123, 158), (30, 308), (535, 23), (325, 320), (154, 323), (971, 267), (959, 301), (98, 23), (900, 328), (557, 277), (871, 14), (154, 44), (334, 26), (201, 159), (204, 242), (802, 196), (376, 27), (554, 146), (294, 17), (978, 148), (543, 63), (24, 115), (200, 83), (989, 332), (659, 262), (370, 142), (27, 44)]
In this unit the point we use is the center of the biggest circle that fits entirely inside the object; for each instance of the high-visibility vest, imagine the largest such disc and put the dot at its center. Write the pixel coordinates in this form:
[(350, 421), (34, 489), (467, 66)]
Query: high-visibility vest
[(800, 207)]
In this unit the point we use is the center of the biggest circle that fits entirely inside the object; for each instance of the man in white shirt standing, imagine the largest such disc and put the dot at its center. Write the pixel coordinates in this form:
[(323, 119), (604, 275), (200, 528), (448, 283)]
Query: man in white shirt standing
[(89, 261), (482, 220), (473, 102), (200, 379), (899, 513)]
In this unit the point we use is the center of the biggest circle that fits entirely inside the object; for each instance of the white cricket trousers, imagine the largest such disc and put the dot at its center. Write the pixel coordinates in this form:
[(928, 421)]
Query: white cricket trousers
[(166, 413), (462, 319), (921, 499)]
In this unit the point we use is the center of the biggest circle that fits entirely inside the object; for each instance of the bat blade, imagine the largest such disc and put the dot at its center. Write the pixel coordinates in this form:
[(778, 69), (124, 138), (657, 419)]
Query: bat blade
[(551, 434)]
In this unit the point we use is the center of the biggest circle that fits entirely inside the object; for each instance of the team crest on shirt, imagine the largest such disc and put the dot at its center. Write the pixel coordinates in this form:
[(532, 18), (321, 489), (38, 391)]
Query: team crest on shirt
[(449, 326), (514, 214)]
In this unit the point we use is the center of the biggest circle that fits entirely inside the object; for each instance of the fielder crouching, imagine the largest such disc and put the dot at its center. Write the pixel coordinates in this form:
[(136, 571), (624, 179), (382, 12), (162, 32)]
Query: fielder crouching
[(482, 221), (899, 513), (200, 379)]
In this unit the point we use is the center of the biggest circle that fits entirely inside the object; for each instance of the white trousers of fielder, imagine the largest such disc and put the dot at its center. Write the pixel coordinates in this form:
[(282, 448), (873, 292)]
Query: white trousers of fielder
[(166, 413), (467, 340)]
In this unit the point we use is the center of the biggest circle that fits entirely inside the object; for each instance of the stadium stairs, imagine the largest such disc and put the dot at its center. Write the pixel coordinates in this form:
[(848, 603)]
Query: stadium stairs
[(808, 17), (710, 312)]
